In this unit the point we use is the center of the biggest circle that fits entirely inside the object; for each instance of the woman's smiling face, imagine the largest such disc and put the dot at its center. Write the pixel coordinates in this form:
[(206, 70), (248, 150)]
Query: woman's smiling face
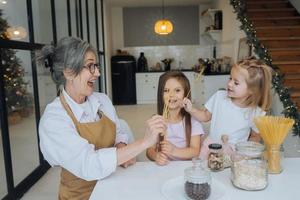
[(82, 85)]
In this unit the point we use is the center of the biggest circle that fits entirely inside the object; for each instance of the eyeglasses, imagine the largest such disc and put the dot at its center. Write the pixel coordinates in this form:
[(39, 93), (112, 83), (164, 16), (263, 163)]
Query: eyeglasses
[(92, 67)]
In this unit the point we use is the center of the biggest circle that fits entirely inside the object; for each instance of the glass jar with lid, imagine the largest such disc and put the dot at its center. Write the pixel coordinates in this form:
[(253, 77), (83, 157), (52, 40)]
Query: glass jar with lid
[(215, 159), (197, 181), (249, 168)]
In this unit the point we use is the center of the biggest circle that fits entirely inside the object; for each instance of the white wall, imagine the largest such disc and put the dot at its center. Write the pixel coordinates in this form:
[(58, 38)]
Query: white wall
[(117, 29), (231, 33), (296, 4)]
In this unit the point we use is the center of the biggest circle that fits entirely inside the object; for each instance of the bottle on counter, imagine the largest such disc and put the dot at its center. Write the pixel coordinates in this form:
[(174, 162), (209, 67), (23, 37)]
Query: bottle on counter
[(215, 159), (249, 168), (207, 65), (142, 63), (197, 181)]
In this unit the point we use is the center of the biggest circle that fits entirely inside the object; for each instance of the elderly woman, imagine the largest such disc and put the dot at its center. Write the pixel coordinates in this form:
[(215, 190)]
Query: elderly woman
[(80, 130)]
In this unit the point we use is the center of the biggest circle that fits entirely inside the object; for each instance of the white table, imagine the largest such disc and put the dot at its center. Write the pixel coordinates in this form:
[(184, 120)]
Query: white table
[(145, 179)]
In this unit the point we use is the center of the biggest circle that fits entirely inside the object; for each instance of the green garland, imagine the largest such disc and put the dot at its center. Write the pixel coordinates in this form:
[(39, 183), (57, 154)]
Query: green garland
[(290, 109)]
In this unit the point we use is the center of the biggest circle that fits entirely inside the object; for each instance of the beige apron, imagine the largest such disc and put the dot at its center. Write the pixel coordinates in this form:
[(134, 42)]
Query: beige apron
[(102, 134)]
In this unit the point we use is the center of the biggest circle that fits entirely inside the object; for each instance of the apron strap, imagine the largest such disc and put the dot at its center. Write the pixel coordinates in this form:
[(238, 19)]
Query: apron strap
[(67, 108), (69, 111)]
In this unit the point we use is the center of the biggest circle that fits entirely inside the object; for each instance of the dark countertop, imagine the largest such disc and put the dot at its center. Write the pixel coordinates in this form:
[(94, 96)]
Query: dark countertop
[(189, 70), (216, 73)]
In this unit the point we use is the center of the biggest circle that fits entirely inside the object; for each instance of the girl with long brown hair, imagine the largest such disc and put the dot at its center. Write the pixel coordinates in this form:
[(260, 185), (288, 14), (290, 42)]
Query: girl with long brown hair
[(182, 138)]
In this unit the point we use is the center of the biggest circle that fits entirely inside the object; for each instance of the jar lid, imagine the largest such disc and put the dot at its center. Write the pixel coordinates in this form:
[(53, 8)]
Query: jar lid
[(197, 173), (249, 148), (215, 146)]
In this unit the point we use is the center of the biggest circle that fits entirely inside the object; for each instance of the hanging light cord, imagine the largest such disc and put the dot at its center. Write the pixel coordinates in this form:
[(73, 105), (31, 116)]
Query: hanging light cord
[(163, 10)]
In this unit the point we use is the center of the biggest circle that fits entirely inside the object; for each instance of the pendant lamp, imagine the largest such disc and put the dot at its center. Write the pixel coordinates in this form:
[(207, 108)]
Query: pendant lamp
[(163, 26)]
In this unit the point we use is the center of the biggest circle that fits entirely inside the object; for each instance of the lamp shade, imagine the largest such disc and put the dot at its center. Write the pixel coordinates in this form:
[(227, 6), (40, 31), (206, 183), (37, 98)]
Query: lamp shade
[(163, 27)]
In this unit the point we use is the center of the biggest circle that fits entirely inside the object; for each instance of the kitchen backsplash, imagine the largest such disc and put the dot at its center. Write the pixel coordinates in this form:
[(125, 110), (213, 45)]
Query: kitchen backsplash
[(185, 57)]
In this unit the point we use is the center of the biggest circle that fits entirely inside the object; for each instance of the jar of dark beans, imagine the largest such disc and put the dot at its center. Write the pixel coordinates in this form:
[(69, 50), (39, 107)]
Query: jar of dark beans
[(197, 184), (215, 158)]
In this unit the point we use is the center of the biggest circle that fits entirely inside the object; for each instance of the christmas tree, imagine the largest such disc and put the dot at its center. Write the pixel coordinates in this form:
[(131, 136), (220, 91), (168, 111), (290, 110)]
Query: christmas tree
[(17, 97)]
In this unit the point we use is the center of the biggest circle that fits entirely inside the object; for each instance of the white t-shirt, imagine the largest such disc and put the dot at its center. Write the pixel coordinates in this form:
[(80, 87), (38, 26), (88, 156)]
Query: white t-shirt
[(229, 119), (176, 132), (62, 145)]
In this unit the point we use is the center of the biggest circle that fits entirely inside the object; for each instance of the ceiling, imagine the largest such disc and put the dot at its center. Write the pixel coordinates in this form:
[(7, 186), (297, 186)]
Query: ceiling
[(138, 3)]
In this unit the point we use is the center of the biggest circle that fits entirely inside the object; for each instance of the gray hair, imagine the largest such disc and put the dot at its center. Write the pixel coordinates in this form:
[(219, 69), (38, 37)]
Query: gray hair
[(69, 53)]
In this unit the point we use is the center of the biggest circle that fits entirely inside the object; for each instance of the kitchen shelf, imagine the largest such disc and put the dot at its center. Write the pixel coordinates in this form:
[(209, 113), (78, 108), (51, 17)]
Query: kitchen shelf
[(209, 15), (212, 35)]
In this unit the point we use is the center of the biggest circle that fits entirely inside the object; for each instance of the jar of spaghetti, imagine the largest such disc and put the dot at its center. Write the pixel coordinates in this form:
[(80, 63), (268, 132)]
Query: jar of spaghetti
[(249, 168)]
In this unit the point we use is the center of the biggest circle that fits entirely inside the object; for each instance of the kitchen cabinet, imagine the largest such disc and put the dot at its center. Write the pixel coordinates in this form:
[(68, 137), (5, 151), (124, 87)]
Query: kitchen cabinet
[(206, 86), (197, 87), (201, 88), (212, 84), (146, 87)]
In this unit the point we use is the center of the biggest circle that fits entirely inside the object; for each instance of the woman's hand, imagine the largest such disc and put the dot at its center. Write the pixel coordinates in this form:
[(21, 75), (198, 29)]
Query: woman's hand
[(161, 159), (155, 125), (187, 105), (129, 162), (167, 148)]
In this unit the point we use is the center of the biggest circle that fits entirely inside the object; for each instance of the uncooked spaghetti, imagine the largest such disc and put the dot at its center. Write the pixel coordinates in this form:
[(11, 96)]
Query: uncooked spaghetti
[(273, 131), (166, 115), (198, 76)]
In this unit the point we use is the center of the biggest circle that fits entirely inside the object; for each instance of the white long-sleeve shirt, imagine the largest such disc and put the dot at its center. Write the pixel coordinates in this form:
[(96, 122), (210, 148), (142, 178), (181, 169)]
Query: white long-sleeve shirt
[(62, 145)]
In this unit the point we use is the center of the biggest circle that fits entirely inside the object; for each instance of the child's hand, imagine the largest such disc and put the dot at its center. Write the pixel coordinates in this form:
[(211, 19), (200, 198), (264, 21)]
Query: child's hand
[(167, 148), (161, 159), (187, 105)]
